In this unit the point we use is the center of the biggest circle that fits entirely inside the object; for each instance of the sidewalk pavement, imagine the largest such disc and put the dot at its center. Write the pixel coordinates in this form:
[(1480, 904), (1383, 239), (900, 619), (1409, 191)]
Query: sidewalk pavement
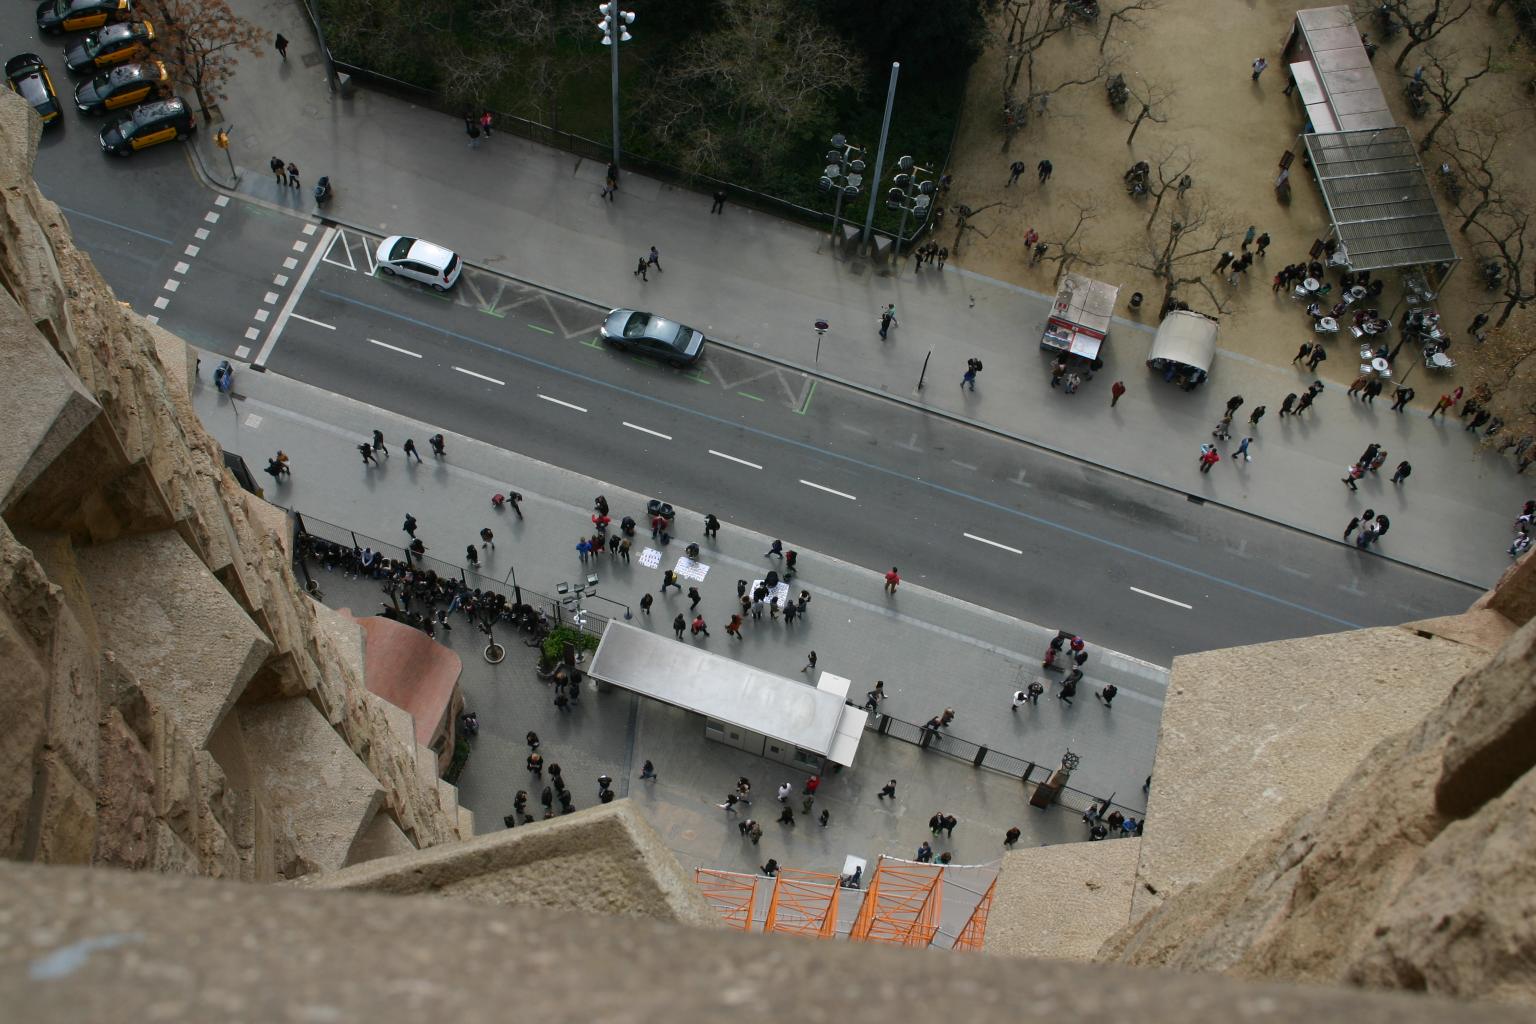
[(755, 282), (931, 650)]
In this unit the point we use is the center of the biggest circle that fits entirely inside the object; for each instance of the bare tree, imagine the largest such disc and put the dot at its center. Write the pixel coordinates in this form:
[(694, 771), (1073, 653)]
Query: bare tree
[(1507, 231), (201, 39), (1033, 23), (963, 215), (1126, 13), (770, 70), (1168, 175), (1069, 252), (535, 28), (1441, 85), (1423, 20), (1150, 99), (1471, 151), (1180, 250)]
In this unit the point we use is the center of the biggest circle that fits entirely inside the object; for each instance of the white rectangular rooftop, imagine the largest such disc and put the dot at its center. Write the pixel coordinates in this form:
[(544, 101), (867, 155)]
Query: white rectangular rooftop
[(687, 676)]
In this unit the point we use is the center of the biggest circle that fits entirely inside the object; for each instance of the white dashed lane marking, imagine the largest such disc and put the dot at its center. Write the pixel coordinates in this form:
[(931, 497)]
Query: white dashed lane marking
[(557, 401), (489, 380), (402, 351), (821, 487), (1160, 597), (648, 430), (732, 458), (993, 543)]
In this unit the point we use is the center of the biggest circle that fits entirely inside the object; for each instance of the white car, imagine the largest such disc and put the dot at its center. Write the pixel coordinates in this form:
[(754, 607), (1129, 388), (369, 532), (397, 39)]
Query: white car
[(419, 260)]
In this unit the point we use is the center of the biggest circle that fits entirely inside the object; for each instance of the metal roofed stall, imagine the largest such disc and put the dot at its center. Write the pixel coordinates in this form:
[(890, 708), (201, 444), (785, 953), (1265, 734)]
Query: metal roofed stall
[(773, 716), (1184, 348), (1080, 316), (1379, 201), (1333, 72)]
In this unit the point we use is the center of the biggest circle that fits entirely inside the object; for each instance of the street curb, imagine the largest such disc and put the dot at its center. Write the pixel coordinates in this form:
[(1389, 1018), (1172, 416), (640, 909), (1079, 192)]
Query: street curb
[(866, 389)]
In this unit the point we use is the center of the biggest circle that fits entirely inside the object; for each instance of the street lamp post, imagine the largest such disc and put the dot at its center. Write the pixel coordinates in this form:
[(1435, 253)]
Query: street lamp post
[(843, 174), (613, 18), (885, 131), (911, 194)]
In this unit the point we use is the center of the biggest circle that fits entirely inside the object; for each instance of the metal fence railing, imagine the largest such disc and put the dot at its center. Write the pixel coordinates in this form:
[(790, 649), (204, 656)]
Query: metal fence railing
[(1031, 773), (562, 610)]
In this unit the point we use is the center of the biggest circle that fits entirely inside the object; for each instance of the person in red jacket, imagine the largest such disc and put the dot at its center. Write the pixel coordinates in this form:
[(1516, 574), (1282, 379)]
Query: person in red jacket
[(1209, 456)]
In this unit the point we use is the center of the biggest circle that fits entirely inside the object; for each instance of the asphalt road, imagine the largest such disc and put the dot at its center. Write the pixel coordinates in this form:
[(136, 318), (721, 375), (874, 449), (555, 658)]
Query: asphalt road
[(1139, 568)]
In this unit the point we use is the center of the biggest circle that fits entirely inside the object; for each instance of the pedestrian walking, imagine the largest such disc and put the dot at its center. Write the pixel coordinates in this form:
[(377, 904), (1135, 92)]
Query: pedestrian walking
[(1356, 386), (679, 624), (1401, 473), (810, 663), (1058, 371), (1248, 236), (1478, 322), (439, 450), (1221, 264), (1011, 836), (1306, 401), (1401, 397), (1319, 354), (1258, 68), (1354, 473), (1379, 461), (873, 698), (293, 174), (1234, 403), (888, 320), (732, 628), (471, 556), (1263, 243), (646, 600), (487, 538), (653, 258), (1258, 414), (485, 123), (805, 804), (888, 790), (409, 526), (892, 580), (711, 526), (694, 597), (1372, 389), (730, 803), (410, 450), (1115, 391), (1209, 456), (787, 816), (968, 378), (1383, 524), (378, 443), (1287, 407), (279, 170), (1242, 450), (1107, 694), (583, 549), (367, 451), (1014, 170), (950, 821), (1369, 454), (669, 579), (1020, 698), (826, 816), (1302, 352), (281, 43), (610, 186), (640, 269), (1443, 404), (698, 626), (1044, 169), (719, 203), (943, 255)]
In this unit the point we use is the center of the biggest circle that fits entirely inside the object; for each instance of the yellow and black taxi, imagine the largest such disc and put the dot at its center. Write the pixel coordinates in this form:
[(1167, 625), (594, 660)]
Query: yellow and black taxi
[(76, 15), (148, 124), (122, 87), (105, 47), (28, 78)]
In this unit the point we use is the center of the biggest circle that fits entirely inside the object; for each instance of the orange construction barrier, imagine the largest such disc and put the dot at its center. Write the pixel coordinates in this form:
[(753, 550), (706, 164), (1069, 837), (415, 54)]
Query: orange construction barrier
[(975, 930), (804, 903), (730, 893), (901, 905)]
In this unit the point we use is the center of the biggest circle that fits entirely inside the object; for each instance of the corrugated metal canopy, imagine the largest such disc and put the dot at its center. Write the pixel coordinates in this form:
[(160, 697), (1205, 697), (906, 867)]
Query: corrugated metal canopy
[(1379, 199)]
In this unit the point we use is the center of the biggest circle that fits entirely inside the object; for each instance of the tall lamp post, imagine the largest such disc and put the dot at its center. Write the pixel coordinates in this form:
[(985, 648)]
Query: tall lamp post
[(843, 174), (885, 132), (613, 18), (912, 194)]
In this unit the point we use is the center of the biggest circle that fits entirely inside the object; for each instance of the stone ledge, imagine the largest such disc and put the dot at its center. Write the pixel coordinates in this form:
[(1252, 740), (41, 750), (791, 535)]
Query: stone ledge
[(111, 945), (1062, 902)]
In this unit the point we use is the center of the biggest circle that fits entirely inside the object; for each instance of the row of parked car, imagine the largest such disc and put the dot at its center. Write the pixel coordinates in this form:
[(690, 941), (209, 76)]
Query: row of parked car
[(124, 75)]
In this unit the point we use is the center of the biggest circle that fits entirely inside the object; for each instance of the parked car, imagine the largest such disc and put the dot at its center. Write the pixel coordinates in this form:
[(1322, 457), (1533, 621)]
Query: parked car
[(419, 260), (27, 76), (148, 124), (108, 46), (122, 86), (74, 15), (653, 335)]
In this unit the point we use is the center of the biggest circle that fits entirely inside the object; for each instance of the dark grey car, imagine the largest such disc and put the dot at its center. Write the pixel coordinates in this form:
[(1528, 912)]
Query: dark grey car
[(652, 335)]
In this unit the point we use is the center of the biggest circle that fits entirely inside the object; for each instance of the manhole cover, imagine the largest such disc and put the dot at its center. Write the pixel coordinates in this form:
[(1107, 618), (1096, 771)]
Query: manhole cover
[(310, 59)]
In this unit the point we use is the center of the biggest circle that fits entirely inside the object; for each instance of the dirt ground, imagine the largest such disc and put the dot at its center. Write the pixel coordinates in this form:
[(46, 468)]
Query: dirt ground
[(1235, 129)]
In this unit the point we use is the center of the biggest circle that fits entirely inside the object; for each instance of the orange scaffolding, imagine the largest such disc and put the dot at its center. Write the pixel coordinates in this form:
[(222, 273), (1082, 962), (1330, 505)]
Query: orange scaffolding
[(901, 905), (804, 903), (730, 893), (975, 930)]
